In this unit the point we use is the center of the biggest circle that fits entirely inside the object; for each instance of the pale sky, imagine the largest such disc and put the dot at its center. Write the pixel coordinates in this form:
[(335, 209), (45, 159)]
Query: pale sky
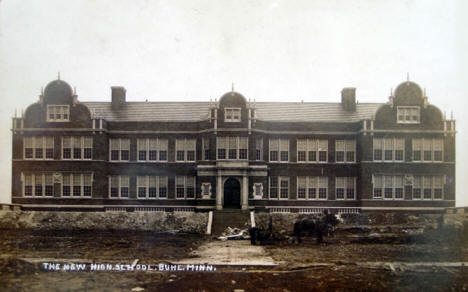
[(272, 51)]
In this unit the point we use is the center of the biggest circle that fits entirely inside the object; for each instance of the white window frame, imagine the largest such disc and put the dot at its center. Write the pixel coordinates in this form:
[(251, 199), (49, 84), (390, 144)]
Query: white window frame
[(161, 145), (383, 148), (408, 111), (82, 184), (39, 140), (144, 181), (422, 186), (384, 185), (346, 180), (119, 187), (312, 145), (280, 179), (185, 180), (82, 142), (232, 119), (119, 149), (281, 148), (183, 144), (434, 142), (349, 145), (313, 182), (41, 176), (64, 108), (259, 147), (227, 143)]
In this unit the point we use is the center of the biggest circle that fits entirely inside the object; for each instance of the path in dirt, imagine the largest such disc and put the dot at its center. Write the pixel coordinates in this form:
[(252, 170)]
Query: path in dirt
[(231, 252)]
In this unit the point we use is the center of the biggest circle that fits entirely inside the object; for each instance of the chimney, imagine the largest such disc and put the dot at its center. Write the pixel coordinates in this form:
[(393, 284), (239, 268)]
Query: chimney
[(348, 98), (118, 96)]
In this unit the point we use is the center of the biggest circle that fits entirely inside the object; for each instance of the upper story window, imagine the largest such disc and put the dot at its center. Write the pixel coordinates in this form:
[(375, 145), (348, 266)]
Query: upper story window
[(312, 150), (38, 147), (345, 188), (58, 113), (388, 187), (76, 184), (119, 186), (232, 114), (77, 148), (152, 187), (38, 185), (389, 149), (279, 187), (259, 149), (232, 147), (119, 149), (312, 187), (185, 187), (345, 150), (279, 150), (427, 149), (152, 149), (428, 188), (408, 114), (185, 149), (206, 148)]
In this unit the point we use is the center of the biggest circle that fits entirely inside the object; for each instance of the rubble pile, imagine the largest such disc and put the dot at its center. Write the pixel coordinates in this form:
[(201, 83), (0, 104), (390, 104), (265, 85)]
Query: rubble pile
[(234, 234), (189, 222)]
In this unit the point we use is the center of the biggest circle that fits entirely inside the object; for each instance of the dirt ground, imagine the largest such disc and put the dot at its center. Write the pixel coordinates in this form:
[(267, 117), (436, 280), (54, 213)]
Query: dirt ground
[(339, 265)]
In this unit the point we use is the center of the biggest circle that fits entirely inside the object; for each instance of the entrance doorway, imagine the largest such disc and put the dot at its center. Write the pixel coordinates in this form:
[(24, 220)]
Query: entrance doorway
[(232, 193)]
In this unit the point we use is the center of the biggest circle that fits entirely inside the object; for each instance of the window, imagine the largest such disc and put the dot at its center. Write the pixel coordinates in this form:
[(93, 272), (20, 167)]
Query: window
[(151, 187), (77, 148), (58, 113), (428, 188), (38, 185), (232, 148), (389, 149), (312, 150), (185, 187), (388, 187), (185, 150), (258, 190), (259, 149), (120, 149), (279, 187), (408, 114), (232, 114), (279, 150), (76, 185), (206, 190), (345, 150), (38, 147), (119, 186), (345, 188), (152, 149), (312, 187), (206, 148), (428, 149)]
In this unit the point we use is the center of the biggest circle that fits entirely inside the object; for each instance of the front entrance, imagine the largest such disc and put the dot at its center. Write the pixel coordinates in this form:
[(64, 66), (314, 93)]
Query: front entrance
[(232, 193)]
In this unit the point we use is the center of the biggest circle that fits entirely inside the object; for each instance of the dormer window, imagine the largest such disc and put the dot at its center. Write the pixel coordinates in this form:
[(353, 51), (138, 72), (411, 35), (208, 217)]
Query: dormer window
[(408, 114), (232, 115), (58, 113)]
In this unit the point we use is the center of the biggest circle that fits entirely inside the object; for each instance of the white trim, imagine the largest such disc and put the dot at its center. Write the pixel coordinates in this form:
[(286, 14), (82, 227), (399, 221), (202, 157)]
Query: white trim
[(408, 108), (232, 109), (55, 107)]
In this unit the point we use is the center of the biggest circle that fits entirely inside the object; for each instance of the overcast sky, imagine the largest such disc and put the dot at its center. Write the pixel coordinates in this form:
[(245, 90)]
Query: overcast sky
[(271, 50)]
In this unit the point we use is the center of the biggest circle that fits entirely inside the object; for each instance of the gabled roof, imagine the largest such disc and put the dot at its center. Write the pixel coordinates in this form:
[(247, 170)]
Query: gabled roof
[(197, 111)]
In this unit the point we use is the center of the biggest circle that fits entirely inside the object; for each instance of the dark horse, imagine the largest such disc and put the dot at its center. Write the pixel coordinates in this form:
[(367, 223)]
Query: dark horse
[(317, 226), (258, 235)]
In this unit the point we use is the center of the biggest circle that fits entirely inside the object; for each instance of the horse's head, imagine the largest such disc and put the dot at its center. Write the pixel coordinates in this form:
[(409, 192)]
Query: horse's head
[(333, 219)]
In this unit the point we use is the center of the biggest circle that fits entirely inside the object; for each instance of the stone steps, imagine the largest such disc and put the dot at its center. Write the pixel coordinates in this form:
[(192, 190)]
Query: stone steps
[(229, 218)]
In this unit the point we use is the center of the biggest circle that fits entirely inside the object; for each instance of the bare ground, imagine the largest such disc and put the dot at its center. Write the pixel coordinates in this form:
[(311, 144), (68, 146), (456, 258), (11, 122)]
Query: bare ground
[(297, 268)]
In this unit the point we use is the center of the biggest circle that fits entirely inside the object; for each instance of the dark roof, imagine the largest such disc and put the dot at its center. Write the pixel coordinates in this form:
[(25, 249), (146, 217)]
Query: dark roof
[(266, 111)]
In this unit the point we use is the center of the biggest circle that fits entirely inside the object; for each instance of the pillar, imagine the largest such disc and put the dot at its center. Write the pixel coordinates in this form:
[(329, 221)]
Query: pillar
[(245, 193), (219, 193)]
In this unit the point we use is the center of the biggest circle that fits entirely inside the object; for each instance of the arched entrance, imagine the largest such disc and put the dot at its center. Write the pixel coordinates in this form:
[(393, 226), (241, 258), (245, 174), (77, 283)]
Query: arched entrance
[(232, 193)]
